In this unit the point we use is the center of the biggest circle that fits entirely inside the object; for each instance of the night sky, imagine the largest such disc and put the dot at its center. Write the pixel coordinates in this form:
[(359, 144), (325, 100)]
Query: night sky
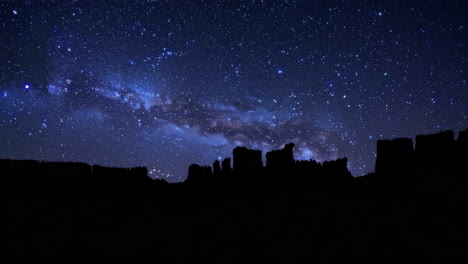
[(165, 84)]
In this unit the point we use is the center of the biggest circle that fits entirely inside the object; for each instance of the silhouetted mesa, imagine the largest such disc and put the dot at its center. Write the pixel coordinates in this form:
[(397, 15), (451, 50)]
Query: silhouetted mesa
[(394, 157), (197, 172), (216, 168), (463, 138), (282, 158), (247, 159), (226, 165), (436, 154), (337, 168), (413, 207), (30, 172), (281, 170), (396, 163), (462, 143), (435, 146)]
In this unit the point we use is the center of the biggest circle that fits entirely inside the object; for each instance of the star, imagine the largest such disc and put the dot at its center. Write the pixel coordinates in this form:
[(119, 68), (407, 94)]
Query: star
[(161, 85)]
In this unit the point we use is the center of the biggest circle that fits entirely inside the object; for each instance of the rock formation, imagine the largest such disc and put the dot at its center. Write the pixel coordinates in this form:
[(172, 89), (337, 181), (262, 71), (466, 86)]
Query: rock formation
[(435, 146), (197, 172), (226, 165), (282, 158), (247, 159), (216, 168), (394, 157)]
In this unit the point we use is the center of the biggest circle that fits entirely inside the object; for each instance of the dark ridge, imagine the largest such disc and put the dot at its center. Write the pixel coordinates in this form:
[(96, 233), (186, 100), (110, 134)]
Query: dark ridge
[(411, 208), (31, 172)]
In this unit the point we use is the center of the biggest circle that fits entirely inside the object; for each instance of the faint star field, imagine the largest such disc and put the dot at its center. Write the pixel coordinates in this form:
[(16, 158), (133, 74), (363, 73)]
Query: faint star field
[(165, 84)]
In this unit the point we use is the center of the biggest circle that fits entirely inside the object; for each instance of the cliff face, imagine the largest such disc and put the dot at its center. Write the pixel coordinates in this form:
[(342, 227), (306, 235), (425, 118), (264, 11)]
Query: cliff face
[(216, 168), (310, 209), (463, 138), (337, 168), (280, 164), (397, 156), (462, 144), (283, 158), (435, 146), (434, 155), (397, 162), (226, 165), (247, 159), (394, 156), (197, 172)]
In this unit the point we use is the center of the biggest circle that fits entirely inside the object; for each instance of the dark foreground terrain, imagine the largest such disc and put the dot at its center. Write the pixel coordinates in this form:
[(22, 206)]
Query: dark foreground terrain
[(412, 207)]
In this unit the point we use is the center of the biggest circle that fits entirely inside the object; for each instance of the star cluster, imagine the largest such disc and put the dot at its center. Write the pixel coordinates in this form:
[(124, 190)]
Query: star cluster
[(168, 83)]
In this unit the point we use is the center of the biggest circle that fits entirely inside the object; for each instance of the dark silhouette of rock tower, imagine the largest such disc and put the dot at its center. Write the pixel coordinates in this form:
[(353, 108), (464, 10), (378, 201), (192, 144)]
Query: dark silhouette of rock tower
[(247, 159), (282, 158)]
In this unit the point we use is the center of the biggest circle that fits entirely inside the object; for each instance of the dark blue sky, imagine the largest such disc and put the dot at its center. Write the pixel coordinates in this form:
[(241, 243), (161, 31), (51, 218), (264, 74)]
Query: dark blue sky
[(169, 83)]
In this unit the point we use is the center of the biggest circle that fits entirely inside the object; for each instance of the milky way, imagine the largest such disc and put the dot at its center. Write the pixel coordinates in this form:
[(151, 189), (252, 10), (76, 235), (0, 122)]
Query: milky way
[(168, 83)]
